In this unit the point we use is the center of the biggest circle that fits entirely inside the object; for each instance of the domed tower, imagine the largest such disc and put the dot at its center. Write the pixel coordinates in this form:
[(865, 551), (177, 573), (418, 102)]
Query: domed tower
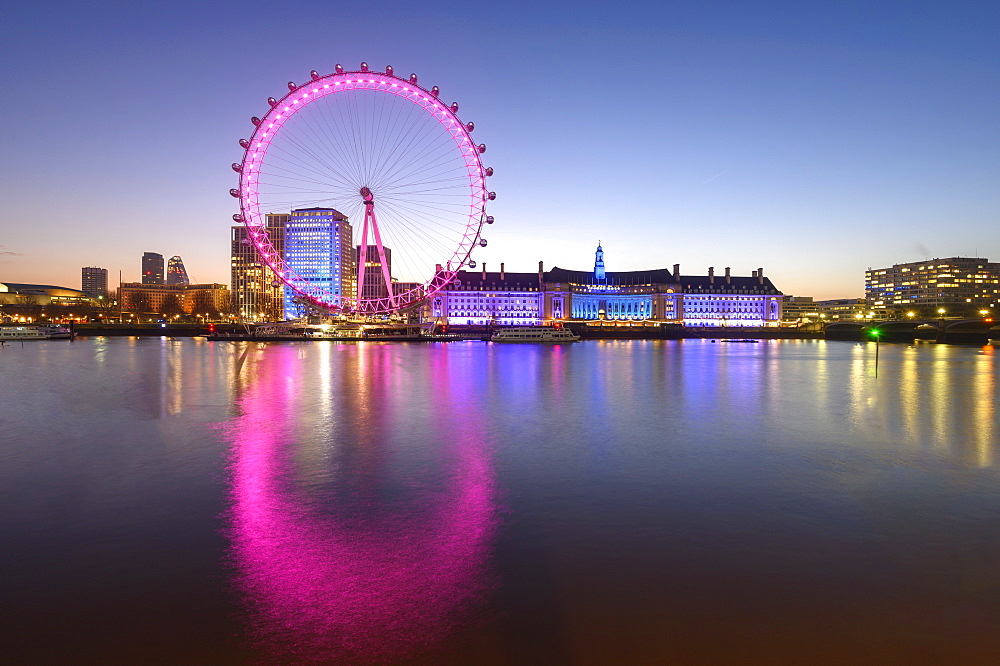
[(599, 263)]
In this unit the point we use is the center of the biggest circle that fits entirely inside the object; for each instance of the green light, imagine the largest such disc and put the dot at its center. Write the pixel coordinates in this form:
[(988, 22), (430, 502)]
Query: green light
[(874, 334)]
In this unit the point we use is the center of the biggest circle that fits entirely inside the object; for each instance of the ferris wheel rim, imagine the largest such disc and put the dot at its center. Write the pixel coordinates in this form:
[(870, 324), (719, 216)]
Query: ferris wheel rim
[(298, 97)]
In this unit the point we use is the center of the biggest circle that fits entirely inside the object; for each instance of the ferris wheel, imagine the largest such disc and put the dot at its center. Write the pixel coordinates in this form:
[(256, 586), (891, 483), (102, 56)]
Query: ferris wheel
[(386, 160)]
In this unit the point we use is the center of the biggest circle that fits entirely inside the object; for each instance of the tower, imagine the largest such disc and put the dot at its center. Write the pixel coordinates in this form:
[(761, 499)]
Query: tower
[(94, 281), (599, 263), (374, 284), (152, 268), (176, 274), (257, 292), (319, 251)]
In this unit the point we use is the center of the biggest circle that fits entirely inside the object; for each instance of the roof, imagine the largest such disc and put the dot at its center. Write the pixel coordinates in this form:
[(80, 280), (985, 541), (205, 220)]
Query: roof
[(474, 281), (42, 289), (656, 276), (694, 283)]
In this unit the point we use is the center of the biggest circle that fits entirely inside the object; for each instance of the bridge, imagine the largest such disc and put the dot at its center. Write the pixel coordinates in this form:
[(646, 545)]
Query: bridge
[(952, 331)]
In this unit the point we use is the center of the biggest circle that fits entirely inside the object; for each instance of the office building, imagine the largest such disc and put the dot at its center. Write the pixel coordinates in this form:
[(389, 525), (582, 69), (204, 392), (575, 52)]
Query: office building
[(175, 299), (176, 274), (956, 284), (258, 293), (374, 283), (94, 282), (320, 256), (152, 268)]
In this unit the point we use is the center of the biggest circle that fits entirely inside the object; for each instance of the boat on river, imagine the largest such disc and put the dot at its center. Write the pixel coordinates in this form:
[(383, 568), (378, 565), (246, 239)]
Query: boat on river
[(299, 332), (544, 334), (10, 333)]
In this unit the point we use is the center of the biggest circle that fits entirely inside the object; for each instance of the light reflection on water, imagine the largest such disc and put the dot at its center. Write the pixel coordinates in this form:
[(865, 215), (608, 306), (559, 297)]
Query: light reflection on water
[(604, 501), (346, 543)]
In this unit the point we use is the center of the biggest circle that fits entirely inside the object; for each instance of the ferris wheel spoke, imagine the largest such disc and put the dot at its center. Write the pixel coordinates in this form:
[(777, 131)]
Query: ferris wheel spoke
[(333, 165), (412, 147), (416, 161), (412, 247)]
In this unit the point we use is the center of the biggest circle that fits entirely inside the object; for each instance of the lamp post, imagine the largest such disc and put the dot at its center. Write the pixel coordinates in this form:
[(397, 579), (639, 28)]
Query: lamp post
[(875, 333)]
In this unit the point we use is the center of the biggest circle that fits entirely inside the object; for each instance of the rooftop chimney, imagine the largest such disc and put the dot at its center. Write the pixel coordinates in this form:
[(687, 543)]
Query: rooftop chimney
[(729, 278), (760, 275), (711, 274), (501, 270), (753, 273), (484, 271), (677, 272), (541, 274)]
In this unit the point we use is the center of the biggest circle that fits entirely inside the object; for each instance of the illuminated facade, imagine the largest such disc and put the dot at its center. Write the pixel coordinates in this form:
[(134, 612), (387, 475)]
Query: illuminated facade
[(565, 295), (94, 281), (152, 268), (319, 250), (203, 299), (482, 298), (258, 294), (963, 281), (176, 273)]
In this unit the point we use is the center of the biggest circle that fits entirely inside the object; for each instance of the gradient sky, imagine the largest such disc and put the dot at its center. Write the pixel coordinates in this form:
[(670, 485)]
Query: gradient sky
[(813, 139)]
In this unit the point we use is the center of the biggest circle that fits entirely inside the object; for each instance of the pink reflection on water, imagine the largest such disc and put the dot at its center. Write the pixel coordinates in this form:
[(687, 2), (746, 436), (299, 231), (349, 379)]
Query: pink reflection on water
[(383, 586)]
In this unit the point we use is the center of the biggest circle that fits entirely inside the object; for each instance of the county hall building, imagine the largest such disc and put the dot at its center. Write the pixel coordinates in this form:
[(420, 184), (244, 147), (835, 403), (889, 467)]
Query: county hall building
[(660, 295)]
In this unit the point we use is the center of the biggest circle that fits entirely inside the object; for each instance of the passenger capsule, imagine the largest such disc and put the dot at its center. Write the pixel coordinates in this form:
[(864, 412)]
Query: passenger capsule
[(247, 241), (314, 74), (435, 91), (413, 78), (255, 120), (244, 144), (364, 67), (489, 171), (491, 196), (482, 148), (489, 219), (237, 167), (234, 193), (389, 70), (291, 85), (276, 283), (469, 126), (339, 69), (482, 242), (454, 107), (472, 264), (238, 217), (272, 101)]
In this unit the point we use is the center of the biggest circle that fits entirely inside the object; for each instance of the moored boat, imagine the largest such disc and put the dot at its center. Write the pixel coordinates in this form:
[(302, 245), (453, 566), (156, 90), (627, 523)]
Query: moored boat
[(547, 334), (10, 333)]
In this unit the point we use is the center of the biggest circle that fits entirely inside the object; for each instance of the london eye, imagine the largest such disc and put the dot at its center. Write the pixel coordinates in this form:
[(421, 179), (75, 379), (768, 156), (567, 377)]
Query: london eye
[(397, 164)]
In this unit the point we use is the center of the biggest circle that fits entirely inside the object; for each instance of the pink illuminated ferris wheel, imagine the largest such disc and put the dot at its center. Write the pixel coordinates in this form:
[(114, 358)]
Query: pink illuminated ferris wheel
[(391, 157)]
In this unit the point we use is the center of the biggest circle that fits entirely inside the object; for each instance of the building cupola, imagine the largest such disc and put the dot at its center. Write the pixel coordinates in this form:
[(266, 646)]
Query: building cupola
[(599, 263)]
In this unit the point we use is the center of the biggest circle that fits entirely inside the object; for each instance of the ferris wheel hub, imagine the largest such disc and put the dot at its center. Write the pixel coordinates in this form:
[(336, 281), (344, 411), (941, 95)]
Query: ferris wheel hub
[(367, 195)]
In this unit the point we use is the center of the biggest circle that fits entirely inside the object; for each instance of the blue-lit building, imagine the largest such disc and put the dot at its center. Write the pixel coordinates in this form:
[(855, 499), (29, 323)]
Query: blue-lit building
[(559, 294), (319, 250)]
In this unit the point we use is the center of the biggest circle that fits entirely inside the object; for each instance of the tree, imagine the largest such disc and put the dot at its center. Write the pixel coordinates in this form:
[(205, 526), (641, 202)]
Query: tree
[(202, 303), (138, 302), (172, 305)]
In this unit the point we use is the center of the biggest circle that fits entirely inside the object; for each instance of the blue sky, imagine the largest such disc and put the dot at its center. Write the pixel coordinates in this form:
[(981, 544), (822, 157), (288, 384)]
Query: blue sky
[(811, 139)]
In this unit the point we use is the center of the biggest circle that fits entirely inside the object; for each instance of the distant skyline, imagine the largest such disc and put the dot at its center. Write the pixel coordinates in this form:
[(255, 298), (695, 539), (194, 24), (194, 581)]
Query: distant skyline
[(815, 140)]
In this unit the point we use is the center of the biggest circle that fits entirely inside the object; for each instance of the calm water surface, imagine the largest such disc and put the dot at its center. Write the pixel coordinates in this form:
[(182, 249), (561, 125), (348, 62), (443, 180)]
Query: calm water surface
[(182, 501)]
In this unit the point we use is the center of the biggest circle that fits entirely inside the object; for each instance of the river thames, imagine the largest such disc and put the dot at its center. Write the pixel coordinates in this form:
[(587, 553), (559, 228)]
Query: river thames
[(180, 501)]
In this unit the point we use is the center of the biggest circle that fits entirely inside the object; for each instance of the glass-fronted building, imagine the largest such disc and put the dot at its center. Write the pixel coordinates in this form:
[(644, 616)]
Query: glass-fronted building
[(258, 293), (319, 252)]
